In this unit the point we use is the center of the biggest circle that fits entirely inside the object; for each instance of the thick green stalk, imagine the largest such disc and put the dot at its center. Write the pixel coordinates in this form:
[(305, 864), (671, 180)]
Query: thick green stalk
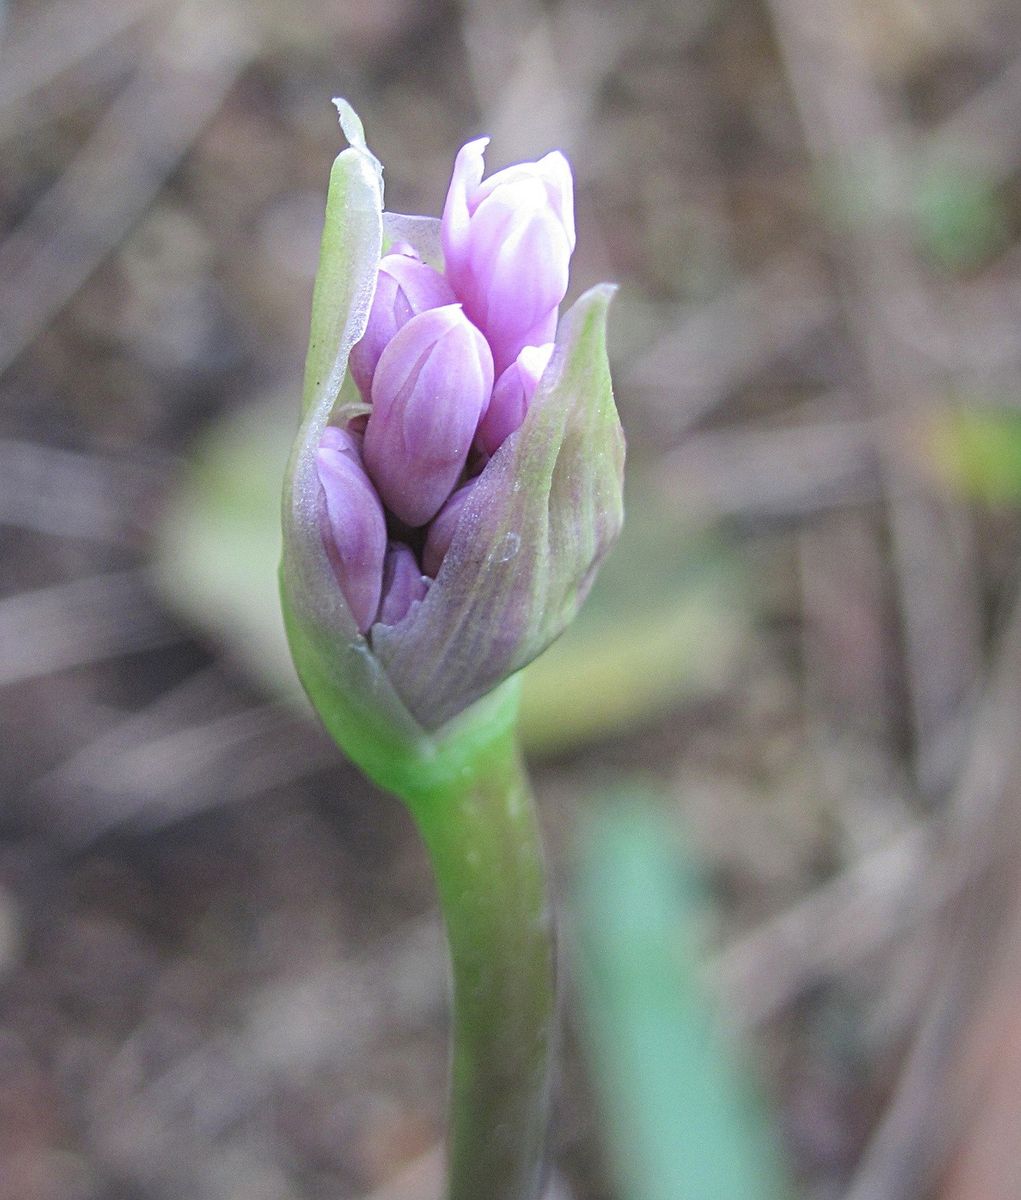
[(483, 839)]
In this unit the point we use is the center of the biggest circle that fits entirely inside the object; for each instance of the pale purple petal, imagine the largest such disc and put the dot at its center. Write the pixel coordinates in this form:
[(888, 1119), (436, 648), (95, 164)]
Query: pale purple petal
[(420, 285), (553, 171), (458, 208), (543, 331), (512, 395), (405, 286), (403, 584), (431, 388), (353, 525), (344, 441), (380, 329), (508, 242), (519, 303), (442, 529)]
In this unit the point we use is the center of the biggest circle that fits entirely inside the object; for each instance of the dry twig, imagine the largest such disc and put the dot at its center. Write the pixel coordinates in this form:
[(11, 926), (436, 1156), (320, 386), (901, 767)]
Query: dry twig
[(847, 125), (71, 624), (145, 133)]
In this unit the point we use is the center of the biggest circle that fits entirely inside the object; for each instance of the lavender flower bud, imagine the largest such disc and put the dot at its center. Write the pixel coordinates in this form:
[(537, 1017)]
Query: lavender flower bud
[(343, 441), (507, 242), (431, 387), (353, 524), (405, 286), (511, 397), (403, 584), (442, 529)]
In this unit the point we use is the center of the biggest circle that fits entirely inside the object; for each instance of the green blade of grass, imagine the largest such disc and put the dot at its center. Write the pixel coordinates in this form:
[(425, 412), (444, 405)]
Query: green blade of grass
[(683, 1119)]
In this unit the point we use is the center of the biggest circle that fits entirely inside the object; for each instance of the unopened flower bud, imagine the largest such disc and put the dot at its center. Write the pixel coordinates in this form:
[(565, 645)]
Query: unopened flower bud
[(343, 441), (431, 387), (403, 584), (512, 395), (442, 529), (353, 524), (405, 286), (507, 242)]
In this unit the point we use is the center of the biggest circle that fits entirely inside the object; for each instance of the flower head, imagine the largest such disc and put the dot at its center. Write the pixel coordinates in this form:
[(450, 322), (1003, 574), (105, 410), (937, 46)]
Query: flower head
[(439, 531)]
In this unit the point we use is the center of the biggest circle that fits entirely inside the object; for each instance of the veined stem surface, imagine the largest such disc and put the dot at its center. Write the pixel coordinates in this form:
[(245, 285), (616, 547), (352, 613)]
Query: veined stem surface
[(483, 840)]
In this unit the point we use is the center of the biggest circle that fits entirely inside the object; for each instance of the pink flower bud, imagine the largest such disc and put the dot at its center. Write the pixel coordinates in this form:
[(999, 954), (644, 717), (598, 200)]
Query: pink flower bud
[(511, 397), (353, 524), (344, 441), (441, 530), (404, 286), (507, 242), (431, 387), (403, 584)]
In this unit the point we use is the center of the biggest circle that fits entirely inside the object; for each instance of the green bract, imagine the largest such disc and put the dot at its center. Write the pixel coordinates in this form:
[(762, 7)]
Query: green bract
[(411, 703)]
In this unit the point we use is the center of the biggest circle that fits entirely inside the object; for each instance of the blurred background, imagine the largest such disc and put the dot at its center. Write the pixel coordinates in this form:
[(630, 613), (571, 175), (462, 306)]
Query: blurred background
[(776, 759)]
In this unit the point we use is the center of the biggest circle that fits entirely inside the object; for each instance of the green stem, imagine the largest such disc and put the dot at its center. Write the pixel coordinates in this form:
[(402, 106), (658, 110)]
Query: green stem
[(483, 839)]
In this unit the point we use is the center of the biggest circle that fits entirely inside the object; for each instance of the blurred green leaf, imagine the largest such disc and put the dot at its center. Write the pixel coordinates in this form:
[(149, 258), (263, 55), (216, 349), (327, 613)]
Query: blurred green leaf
[(960, 217), (978, 452), (665, 620), (858, 192), (956, 214), (218, 546), (684, 1121)]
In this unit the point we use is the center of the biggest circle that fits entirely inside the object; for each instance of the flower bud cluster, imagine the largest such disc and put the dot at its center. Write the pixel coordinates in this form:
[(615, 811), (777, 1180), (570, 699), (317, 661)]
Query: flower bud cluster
[(447, 367)]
